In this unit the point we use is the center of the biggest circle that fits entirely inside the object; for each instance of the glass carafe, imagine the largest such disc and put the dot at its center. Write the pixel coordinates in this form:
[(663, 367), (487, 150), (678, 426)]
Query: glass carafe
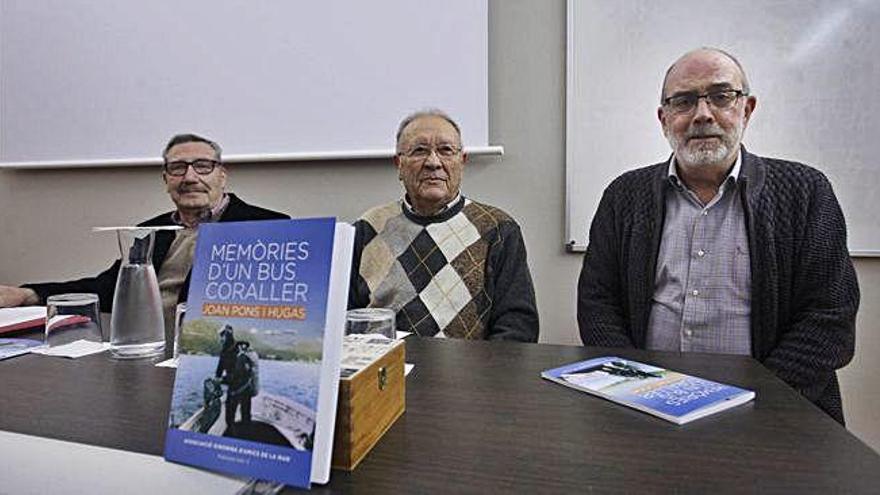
[(137, 327)]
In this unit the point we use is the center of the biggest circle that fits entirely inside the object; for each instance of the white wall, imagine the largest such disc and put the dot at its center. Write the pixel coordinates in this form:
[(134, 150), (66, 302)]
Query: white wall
[(859, 380), (46, 215)]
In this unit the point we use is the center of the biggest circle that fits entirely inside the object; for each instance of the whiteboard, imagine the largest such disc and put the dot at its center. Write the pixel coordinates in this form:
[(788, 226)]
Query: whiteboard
[(812, 65), (109, 82)]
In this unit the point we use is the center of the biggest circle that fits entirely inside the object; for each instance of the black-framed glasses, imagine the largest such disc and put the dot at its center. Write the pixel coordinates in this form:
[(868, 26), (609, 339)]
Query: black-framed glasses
[(202, 166), (422, 152), (720, 99)]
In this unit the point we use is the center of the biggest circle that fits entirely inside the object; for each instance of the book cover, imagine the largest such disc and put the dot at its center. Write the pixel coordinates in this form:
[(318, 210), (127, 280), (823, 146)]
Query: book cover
[(667, 394), (258, 374)]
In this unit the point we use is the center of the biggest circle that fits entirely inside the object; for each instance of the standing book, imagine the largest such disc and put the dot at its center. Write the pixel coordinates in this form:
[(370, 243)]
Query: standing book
[(667, 394), (258, 375)]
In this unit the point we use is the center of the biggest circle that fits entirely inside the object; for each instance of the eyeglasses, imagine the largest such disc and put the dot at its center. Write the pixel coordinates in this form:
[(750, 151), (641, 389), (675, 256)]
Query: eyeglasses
[(201, 166), (686, 102), (422, 152)]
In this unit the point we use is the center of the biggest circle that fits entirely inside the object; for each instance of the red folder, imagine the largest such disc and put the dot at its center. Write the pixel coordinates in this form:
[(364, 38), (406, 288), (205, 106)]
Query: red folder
[(39, 322)]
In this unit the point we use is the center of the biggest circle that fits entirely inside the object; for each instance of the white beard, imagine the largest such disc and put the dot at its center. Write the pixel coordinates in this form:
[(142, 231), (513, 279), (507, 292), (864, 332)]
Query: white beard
[(702, 156), (706, 154)]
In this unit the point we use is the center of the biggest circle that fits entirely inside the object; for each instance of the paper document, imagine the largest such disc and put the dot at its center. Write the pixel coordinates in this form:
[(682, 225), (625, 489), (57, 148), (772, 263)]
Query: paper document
[(73, 350), (168, 363), (361, 350), (81, 468)]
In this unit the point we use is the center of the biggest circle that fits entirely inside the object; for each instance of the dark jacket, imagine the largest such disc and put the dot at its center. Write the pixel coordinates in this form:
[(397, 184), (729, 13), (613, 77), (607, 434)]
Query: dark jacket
[(804, 290), (105, 283)]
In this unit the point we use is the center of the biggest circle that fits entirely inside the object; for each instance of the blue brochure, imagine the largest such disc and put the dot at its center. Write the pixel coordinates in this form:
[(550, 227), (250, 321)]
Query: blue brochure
[(16, 347), (670, 395), (257, 379)]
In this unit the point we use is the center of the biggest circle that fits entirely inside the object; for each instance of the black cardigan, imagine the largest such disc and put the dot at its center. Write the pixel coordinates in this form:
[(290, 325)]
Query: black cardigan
[(804, 290), (104, 284)]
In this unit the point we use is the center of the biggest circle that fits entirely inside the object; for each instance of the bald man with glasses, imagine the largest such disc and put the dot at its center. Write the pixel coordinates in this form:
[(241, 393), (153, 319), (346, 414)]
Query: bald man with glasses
[(195, 179), (719, 250)]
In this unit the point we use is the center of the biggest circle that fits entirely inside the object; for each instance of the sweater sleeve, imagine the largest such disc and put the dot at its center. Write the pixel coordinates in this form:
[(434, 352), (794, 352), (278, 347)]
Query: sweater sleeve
[(358, 292), (104, 285), (514, 314), (600, 305), (820, 336)]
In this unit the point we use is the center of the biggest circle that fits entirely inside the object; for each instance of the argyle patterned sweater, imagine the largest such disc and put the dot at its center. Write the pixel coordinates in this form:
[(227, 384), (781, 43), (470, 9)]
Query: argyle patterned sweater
[(460, 274), (804, 290)]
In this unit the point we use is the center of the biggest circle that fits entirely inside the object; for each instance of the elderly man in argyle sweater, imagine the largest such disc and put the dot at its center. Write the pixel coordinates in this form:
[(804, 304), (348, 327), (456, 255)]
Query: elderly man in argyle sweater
[(719, 250), (448, 266)]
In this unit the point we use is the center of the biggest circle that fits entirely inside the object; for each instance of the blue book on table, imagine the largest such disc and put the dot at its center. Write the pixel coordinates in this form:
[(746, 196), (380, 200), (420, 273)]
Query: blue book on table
[(670, 395), (258, 372)]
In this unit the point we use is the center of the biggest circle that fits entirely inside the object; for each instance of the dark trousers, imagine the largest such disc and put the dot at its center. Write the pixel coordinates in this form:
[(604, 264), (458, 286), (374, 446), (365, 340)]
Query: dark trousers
[(232, 404)]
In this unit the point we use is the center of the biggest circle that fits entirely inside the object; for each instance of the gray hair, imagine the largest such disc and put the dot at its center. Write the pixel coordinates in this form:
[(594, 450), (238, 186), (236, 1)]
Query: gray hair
[(742, 72), (431, 112), (191, 138)]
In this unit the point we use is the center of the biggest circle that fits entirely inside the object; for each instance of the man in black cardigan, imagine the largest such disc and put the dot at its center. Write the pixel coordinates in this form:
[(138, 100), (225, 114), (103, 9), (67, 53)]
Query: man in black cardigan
[(719, 250), (195, 179)]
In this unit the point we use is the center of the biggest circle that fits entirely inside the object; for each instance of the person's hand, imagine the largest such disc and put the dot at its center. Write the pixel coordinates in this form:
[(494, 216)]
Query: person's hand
[(17, 296)]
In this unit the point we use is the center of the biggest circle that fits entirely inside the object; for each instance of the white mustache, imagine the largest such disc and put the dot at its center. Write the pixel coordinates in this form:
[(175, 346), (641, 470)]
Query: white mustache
[(704, 131), (184, 190)]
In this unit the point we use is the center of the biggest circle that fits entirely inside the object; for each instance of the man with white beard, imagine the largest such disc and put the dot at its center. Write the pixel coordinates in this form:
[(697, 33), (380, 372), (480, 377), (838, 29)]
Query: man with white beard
[(719, 250)]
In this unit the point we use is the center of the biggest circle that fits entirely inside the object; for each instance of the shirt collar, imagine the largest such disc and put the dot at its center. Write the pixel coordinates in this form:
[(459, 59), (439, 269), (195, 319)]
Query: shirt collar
[(410, 209), (732, 176), (211, 215)]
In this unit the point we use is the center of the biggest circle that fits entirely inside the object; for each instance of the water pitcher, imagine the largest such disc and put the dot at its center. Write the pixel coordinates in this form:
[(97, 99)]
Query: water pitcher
[(137, 327)]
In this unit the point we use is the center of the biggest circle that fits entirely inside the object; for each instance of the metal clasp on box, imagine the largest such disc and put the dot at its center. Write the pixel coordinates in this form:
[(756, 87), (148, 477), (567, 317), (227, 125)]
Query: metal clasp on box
[(383, 377)]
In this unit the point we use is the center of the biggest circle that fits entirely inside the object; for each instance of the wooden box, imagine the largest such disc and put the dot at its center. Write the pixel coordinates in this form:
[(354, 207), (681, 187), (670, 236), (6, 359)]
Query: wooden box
[(370, 401)]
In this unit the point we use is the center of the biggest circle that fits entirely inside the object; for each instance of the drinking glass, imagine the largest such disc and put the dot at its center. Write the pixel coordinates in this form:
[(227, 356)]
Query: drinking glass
[(72, 317), (179, 315), (370, 321)]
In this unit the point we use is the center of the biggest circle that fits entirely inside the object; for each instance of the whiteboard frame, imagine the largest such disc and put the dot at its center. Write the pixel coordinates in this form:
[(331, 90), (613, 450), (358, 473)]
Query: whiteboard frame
[(252, 158), (570, 86)]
